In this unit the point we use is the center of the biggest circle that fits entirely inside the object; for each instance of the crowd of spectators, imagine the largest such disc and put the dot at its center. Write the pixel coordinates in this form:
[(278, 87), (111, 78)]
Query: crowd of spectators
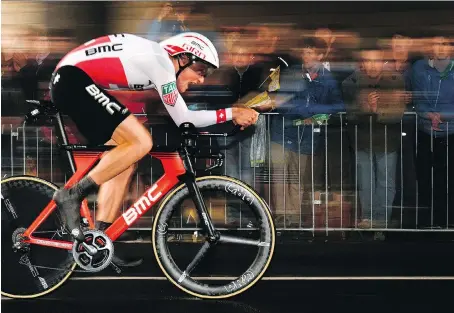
[(337, 106)]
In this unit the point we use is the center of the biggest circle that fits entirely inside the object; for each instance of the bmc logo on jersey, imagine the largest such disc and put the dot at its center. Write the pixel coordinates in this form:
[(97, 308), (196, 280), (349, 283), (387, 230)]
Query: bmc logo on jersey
[(169, 93), (103, 99), (195, 51), (104, 48)]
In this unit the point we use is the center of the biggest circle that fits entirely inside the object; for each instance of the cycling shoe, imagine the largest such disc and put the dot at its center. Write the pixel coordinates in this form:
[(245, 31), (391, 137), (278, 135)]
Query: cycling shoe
[(68, 203)]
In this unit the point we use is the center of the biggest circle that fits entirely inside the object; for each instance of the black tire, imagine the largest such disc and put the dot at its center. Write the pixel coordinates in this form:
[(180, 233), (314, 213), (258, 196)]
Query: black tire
[(23, 198), (237, 284)]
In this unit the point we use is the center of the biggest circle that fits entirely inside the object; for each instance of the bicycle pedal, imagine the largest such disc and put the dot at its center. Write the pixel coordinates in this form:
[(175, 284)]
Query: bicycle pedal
[(115, 267), (84, 223)]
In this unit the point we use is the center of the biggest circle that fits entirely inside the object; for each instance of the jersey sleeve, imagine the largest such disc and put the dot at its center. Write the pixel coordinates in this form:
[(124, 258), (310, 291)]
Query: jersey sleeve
[(160, 71)]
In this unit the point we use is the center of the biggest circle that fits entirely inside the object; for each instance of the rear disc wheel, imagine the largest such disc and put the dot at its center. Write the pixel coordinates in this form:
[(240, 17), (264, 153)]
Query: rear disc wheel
[(23, 199)]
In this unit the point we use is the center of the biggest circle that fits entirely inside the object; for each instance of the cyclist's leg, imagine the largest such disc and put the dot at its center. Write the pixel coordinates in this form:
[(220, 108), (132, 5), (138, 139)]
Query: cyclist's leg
[(109, 201), (112, 193), (72, 93), (136, 142)]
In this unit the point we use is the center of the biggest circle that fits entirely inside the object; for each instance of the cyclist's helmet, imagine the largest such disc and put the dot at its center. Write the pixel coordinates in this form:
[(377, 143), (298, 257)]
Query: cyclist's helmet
[(200, 50)]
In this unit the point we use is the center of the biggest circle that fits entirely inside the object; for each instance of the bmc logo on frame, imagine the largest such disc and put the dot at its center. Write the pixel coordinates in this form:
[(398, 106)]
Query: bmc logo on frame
[(103, 99), (141, 205)]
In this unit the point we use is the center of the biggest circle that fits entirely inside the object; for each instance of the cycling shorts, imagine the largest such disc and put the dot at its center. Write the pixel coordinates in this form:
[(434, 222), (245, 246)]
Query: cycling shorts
[(95, 113)]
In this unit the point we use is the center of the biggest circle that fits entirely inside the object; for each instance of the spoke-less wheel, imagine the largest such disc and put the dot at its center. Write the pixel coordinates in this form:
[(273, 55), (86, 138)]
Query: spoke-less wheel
[(23, 198), (197, 265)]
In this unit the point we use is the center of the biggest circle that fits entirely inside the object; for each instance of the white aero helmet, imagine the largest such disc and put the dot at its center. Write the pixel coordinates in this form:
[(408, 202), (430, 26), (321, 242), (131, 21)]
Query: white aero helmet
[(198, 47)]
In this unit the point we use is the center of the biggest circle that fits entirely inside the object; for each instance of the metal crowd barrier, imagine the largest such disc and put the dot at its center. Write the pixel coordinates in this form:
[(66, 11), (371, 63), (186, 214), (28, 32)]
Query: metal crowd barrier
[(323, 206)]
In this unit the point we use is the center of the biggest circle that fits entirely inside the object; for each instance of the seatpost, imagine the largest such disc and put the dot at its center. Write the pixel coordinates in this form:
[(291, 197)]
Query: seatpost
[(64, 138)]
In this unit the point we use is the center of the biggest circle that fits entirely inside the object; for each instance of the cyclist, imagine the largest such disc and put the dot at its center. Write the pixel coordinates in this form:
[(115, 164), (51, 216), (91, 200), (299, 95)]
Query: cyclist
[(83, 86)]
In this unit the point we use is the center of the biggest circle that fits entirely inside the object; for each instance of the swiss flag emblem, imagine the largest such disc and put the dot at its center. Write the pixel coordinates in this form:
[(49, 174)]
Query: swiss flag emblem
[(169, 93), (221, 116)]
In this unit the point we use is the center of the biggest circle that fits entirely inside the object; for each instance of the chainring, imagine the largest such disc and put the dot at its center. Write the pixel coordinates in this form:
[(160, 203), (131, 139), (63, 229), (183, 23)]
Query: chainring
[(95, 253)]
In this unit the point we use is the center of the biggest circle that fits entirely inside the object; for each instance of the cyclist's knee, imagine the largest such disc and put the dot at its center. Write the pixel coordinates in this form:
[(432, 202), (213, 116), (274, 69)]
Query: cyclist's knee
[(144, 143), (132, 132)]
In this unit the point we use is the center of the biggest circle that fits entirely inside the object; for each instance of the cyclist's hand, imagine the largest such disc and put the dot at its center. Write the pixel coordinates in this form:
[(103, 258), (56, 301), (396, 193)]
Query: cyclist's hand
[(244, 117)]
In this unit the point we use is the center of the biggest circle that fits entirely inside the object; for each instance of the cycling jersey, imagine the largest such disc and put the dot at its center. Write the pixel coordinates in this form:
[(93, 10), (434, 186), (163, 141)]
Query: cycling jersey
[(129, 62)]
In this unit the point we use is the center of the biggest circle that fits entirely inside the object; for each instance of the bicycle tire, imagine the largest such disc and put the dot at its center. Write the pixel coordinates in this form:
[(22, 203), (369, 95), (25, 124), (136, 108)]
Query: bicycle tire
[(174, 273), (38, 191)]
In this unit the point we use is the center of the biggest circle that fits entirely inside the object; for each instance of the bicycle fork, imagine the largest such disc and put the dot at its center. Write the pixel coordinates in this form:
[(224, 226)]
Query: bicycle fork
[(189, 179)]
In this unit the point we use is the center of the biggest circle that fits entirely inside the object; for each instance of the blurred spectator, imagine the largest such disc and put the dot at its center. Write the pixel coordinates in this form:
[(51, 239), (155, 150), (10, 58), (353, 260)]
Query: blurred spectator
[(336, 140), (269, 44), (433, 91), (338, 56), (32, 66), (327, 35), (171, 20), (37, 71), (242, 76), (307, 89), (399, 61), (375, 104), (13, 56), (178, 17), (252, 71)]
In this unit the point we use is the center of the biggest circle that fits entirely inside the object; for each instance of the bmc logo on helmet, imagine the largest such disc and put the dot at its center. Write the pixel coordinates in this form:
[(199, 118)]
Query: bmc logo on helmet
[(194, 51), (103, 99), (195, 43)]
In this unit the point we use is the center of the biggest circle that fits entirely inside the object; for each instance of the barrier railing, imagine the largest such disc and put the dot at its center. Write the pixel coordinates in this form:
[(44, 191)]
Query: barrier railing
[(334, 184)]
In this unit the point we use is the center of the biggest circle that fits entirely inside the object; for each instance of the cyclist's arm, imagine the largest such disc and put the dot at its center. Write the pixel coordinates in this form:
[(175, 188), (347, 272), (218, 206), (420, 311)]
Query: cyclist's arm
[(161, 72), (180, 113)]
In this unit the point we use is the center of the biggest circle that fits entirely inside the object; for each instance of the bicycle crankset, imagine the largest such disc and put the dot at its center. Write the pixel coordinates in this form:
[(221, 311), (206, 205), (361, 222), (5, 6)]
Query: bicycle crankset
[(95, 253)]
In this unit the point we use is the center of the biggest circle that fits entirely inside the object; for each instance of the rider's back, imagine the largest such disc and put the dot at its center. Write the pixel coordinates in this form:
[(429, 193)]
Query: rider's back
[(117, 61)]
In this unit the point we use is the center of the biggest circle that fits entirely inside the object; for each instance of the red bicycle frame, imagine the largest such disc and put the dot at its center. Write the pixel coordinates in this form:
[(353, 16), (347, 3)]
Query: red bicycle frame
[(173, 167)]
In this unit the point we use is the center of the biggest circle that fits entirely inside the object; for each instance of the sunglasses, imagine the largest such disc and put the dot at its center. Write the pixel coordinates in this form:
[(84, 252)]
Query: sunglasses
[(202, 68)]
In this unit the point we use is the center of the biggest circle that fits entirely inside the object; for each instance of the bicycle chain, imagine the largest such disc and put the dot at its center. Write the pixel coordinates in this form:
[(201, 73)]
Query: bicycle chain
[(57, 268), (115, 267), (112, 264)]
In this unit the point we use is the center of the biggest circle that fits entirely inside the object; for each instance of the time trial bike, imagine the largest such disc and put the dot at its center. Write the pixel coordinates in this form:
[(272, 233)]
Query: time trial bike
[(38, 255)]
